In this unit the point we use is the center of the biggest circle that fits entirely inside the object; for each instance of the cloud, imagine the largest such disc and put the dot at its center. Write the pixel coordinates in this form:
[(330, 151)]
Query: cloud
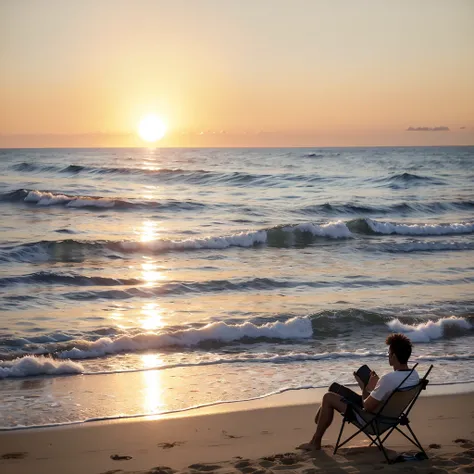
[(428, 129)]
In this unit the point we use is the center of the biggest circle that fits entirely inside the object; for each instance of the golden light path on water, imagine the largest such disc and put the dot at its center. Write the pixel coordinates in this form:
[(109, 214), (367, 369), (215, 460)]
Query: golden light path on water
[(152, 317), (151, 274), (148, 317), (149, 231), (152, 393)]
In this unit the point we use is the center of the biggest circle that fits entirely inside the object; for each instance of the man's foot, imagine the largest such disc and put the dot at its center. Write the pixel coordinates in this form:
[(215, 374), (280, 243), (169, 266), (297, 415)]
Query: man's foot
[(309, 446), (305, 446)]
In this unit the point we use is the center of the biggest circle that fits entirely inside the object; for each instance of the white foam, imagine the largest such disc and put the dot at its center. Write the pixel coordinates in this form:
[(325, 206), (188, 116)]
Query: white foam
[(51, 199), (420, 229), (46, 198), (431, 330), (335, 230), (243, 239), (33, 365), (295, 328)]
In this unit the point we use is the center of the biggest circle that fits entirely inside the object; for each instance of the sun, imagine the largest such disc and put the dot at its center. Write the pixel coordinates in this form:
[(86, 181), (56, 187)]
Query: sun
[(151, 128)]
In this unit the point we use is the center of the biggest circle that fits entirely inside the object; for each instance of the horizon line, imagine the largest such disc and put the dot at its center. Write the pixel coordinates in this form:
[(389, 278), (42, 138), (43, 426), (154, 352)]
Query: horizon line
[(225, 147)]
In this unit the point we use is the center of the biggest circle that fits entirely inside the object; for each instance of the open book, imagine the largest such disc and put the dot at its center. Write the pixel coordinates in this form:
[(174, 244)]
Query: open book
[(364, 375)]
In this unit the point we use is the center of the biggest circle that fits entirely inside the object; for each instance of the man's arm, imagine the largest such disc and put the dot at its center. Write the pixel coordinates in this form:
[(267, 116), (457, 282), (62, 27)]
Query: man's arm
[(369, 402)]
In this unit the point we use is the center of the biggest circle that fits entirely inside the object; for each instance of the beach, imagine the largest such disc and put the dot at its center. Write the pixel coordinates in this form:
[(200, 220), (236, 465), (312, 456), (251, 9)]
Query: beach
[(247, 437), (188, 307)]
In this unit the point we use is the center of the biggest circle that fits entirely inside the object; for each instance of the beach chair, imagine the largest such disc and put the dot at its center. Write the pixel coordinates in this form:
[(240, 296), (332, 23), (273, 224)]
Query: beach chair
[(392, 415)]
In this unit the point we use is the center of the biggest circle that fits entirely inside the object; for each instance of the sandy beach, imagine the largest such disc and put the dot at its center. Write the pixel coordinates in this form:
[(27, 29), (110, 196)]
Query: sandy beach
[(213, 210), (242, 438)]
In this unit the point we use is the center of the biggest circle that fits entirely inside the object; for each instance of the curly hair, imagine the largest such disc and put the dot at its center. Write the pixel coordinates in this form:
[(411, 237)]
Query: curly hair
[(401, 346)]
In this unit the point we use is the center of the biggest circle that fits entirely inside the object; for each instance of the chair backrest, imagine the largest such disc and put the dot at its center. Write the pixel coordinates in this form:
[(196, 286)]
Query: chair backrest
[(399, 400), (403, 398)]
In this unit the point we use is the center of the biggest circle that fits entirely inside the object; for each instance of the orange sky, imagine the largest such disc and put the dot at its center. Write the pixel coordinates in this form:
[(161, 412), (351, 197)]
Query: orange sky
[(237, 73)]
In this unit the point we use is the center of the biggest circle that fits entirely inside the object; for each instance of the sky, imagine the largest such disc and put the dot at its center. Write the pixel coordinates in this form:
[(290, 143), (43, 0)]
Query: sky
[(237, 72)]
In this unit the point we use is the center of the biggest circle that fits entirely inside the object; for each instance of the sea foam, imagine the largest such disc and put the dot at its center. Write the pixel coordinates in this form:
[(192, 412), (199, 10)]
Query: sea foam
[(295, 328), (420, 229), (432, 330), (38, 365), (50, 199), (335, 230)]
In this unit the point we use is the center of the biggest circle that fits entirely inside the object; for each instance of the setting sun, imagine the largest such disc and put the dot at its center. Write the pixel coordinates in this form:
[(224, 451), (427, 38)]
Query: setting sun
[(151, 128)]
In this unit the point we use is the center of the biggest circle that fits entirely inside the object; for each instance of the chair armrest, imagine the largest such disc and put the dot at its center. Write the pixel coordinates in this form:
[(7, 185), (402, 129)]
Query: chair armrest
[(357, 408)]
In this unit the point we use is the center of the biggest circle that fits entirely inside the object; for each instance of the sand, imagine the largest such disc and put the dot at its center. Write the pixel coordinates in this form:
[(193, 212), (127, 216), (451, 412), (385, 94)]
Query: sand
[(248, 439)]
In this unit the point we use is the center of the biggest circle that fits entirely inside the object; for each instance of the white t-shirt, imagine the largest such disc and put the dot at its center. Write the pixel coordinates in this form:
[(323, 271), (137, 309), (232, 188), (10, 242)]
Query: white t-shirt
[(390, 382)]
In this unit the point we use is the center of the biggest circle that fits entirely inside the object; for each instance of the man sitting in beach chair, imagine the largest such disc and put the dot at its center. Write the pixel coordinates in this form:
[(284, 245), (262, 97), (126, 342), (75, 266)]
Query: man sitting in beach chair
[(375, 390)]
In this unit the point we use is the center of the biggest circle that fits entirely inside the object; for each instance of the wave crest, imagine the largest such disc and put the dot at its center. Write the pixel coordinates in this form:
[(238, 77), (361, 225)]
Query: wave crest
[(278, 236), (47, 198), (33, 365), (295, 328), (371, 226), (431, 330)]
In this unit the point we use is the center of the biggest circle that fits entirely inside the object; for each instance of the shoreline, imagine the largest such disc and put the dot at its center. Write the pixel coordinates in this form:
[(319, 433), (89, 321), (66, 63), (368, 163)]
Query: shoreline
[(226, 436), (287, 397)]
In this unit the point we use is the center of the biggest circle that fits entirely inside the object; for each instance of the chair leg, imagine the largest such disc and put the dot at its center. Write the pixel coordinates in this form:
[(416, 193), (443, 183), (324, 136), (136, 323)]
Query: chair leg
[(382, 448), (379, 443), (418, 444), (415, 441), (360, 430)]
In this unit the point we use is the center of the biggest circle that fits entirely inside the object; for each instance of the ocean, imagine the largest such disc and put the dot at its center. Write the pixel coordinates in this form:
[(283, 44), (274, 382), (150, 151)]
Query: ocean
[(143, 281)]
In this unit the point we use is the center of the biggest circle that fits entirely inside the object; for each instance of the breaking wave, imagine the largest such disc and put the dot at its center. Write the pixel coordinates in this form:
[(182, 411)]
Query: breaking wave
[(47, 198), (279, 236), (432, 330), (371, 226), (324, 326), (30, 366), (58, 359), (77, 250)]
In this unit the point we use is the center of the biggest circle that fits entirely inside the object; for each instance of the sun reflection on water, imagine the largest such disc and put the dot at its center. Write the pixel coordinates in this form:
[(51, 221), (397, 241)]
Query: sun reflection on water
[(149, 231), (151, 273), (152, 317), (153, 393)]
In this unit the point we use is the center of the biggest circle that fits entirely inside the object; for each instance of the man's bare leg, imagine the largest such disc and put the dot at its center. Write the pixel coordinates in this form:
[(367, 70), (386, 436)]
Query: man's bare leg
[(331, 401), (316, 418)]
